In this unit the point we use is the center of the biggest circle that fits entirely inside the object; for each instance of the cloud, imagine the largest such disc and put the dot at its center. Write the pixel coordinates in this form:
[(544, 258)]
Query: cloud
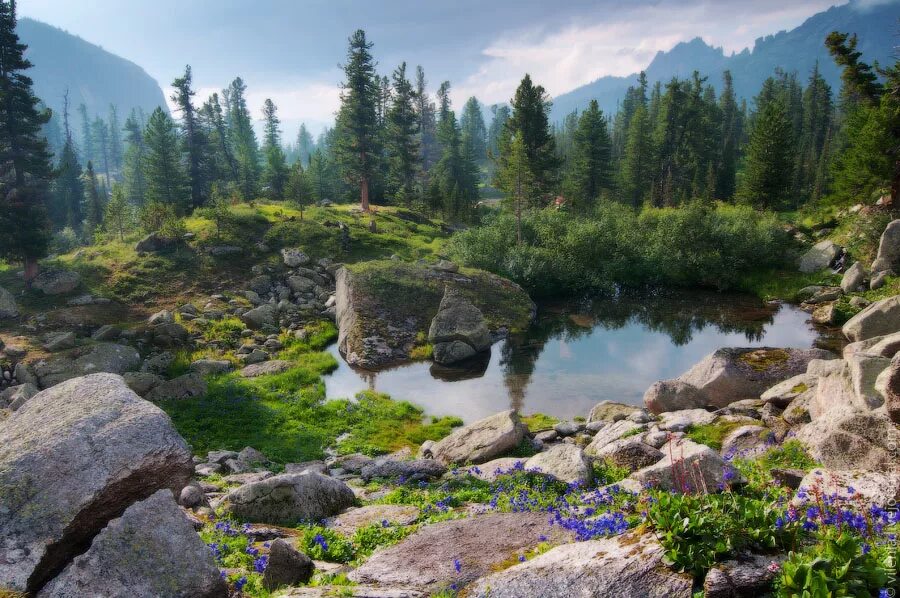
[(624, 42)]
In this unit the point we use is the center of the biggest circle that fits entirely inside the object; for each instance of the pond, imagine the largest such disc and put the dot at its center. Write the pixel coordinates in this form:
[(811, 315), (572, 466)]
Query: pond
[(578, 354)]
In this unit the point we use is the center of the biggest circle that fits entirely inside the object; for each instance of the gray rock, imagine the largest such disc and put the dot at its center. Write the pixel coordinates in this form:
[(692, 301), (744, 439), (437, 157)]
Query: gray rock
[(611, 433), (151, 551), (879, 319), (565, 462), (153, 242), (224, 250), (630, 452), (249, 477), (457, 322), (56, 282), (122, 448), (848, 439), (255, 356), (289, 498), (445, 266), (251, 456), (8, 307), (413, 471), (746, 440), (879, 279), (161, 317), (864, 371), (679, 421), (60, 341), (820, 256), (301, 284), (21, 395), (749, 576), (425, 560), (141, 382), (889, 247), (608, 410), (294, 257), (188, 386), (264, 316), (697, 468), (209, 367), (353, 519), (495, 468), (106, 333), (673, 395), (452, 352), (353, 463), (621, 566), (481, 441), (286, 566), (784, 392), (853, 278), (276, 366), (100, 357), (880, 488), (191, 496)]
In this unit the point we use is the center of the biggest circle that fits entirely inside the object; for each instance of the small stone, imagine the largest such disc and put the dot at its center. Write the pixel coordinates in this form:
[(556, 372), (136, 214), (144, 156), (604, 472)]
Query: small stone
[(286, 566)]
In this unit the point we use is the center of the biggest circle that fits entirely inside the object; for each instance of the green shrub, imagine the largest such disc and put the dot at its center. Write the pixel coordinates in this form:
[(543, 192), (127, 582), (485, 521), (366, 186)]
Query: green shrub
[(325, 544)]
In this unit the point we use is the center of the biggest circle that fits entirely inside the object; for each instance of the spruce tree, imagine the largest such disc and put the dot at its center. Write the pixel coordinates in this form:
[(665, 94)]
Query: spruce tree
[(454, 177), (25, 168), (275, 171), (402, 146), (305, 144), (193, 138), (425, 117), (732, 133), (357, 125), (94, 205), (297, 188), (515, 178), (133, 166), (770, 158), (474, 132), (591, 170), (68, 191), (116, 216), (166, 180), (635, 171), (242, 139), (530, 121), (87, 137), (100, 136), (116, 152), (223, 165)]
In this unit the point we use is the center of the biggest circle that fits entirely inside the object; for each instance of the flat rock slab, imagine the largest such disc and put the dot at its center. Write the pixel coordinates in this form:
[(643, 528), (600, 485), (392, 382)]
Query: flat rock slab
[(349, 521), (275, 366), (71, 459), (425, 560), (289, 498), (622, 566), (151, 551), (481, 441)]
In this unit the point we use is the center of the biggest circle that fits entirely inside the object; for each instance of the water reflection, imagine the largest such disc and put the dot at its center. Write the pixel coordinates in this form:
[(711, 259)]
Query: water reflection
[(577, 354)]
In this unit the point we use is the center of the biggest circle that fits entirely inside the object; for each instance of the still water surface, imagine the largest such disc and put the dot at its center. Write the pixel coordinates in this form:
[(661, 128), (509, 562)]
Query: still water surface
[(576, 355)]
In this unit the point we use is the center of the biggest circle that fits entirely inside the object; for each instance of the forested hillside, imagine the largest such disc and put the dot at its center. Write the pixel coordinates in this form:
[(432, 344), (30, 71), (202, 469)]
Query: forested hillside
[(797, 50)]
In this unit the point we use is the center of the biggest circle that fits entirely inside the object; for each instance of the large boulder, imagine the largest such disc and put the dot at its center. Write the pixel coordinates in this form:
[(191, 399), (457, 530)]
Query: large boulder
[(610, 434), (427, 559), (786, 391), (880, 488), (848, 439), (111, 358), (286, 566), (188, 386), (294, 257), (289, 498), (481, 441), (853, 278), (265, 316), (8, 307), (735, 374), (457, 322), (71, 459), (151, 551), (154, 242), (56, 282), (889, 248), (673, 395), (878, 319), (563, 461), (353, 519), (383, 309), (687, 466), (820, 256), (621, 566), (892, 390)]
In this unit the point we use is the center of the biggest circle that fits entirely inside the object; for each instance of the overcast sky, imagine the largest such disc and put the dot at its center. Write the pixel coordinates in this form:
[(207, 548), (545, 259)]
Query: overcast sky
[(289, 50)]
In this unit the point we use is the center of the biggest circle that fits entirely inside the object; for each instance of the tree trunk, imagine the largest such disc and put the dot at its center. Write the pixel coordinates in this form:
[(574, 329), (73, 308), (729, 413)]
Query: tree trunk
[(31, 271), (364, 194)]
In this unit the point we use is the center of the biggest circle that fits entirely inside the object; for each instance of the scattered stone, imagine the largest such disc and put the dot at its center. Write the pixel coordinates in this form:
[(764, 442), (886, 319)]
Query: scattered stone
[(106, 333), (151, 551), (264, 316), (610, 410), (122, 447), (889, 247), (224, 250), (21, 395), (412, 471), (8, 307), (611, 433), (286, 566), (481, 441), (784, 392), (191, 496), (353, 463), (748, 576), (188, 386), (673, 395), (425, 560), (60, 341), (679, 421), (353, 519), (853, 278), (141, 382), (100, 357), (249, 477), (631, 453), (879, 279), (289, 498), (56, 282), (787, 477), (820, 256), (620, 566), (880, 488), (746, 440), (209, 367), (565, 462), (294, 257), (153, 242), (276, 366), (687, 466), (445, 266), (879, 319)]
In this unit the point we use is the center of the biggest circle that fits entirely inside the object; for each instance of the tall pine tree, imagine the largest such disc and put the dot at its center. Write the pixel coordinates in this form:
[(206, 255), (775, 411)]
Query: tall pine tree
[(193, 138), (530, 121), (68, 190), (167, 182), (401, 145), (275, 171), (591, 169), (133, 167)]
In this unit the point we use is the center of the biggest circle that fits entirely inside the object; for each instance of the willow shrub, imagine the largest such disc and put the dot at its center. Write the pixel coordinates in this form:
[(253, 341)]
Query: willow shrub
[(698, 245)]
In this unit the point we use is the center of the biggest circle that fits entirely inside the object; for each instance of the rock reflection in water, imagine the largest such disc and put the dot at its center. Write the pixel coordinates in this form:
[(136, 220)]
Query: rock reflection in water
[(577, 354)]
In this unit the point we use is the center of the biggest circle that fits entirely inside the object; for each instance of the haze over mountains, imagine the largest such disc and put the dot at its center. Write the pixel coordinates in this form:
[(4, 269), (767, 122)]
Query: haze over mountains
[(99, 78), (877, 26)]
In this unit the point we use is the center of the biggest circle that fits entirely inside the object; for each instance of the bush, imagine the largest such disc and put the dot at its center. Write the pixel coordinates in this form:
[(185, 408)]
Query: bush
[(64, 240), (562, 253)]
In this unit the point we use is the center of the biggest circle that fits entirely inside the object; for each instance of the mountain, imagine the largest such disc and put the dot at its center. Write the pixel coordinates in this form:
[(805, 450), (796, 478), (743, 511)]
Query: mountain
[(92, 75), (797, 50)]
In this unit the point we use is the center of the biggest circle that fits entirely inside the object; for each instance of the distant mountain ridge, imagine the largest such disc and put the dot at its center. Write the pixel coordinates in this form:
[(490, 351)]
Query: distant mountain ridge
[(93, 76), (877, 27)]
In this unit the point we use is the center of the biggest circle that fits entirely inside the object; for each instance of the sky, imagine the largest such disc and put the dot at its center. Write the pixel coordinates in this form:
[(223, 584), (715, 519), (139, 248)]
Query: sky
[(290, 50)]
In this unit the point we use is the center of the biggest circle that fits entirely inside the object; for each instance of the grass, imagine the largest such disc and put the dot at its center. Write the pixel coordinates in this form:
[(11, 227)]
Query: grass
[(538, 422), (783, 284), (712, 434)]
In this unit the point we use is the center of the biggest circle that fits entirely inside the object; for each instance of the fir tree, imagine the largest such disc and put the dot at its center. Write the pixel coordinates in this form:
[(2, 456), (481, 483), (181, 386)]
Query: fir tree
[(242, 139), (357, 139), (166, 180), (25, 167), (402, 146), (116, 152), (635, 172), (117, 215), (732, 133), (298, 190), (93, 203), (223, 163), (133, 167), (427, 125), (87, 138), (591, 169), (275, 171), (474, 132), (529, 121), (514, 177), (770, 158), (193, 138), (305, 144), (100, 136)]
